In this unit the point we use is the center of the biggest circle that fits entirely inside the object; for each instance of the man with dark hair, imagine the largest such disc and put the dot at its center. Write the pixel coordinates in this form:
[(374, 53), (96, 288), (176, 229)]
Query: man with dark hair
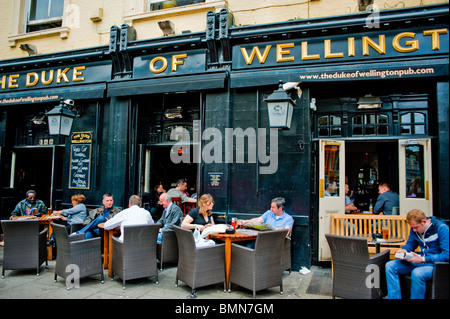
[(98, 216), (28, 206), (178, 191), (386, 200)]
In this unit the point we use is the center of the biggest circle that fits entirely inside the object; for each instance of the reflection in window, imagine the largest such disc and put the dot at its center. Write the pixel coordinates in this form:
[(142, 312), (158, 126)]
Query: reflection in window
[(165, 4), (331, 170), (414, 162), (44, 14), (413, 123), (330, 125), (370, 125)]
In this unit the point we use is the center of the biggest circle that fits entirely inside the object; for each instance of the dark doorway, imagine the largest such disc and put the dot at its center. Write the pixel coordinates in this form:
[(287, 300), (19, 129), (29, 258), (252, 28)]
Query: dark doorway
[(367, 164)]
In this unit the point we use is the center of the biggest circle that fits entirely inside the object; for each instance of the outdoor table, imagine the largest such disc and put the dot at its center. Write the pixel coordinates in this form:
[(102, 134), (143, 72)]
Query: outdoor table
[(44, 220), (107, 246), (379, 242), (241, 235)]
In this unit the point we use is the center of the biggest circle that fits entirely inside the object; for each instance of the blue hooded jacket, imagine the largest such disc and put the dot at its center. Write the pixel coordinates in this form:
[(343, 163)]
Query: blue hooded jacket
[(434, 243)]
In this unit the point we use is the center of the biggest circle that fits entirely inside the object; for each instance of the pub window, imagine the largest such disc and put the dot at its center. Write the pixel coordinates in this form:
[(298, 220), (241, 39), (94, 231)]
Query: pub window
[(415, 175), (44, 14), (413, 123), (153, 5), (330, 125), (370, 125)]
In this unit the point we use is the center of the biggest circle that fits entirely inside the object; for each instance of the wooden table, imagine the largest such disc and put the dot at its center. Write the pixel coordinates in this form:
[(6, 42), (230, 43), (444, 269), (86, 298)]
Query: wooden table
[(241, 235), (378, 243), (44, 220), (108, 246)]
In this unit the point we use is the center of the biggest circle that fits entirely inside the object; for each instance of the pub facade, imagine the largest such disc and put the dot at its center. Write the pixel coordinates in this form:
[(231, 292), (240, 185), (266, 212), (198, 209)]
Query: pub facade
[(370, 95)]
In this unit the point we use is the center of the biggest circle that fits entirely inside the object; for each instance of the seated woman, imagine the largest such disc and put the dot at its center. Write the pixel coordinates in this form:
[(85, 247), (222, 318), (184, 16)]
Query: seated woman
[(200, 217), (76, 214)]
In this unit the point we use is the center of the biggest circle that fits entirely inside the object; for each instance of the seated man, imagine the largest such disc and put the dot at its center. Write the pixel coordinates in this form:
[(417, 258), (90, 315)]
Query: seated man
[(171, 215), (179, 190), (98, 216), (386, 200), (275, 217), (28, 205), (431, 235), (133, 215)]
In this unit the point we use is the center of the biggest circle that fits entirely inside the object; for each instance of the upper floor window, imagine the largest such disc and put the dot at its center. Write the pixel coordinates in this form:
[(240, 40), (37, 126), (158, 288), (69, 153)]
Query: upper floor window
[(370, 125), (330, 125), (44, 14), (165, 4), (413, 123)]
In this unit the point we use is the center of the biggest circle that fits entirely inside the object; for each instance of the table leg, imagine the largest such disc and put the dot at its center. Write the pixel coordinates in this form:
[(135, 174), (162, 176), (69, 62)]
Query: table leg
[(111, 233), (227, 262), (50, 248), (377, 248), (105, 248)]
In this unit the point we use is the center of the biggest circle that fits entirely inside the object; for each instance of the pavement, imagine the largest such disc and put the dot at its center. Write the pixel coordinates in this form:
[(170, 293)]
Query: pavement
[(25, 284)]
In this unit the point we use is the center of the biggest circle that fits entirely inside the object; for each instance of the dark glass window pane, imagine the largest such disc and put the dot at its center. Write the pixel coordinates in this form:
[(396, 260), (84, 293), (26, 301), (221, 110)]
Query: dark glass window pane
[(358, 120), (323, 132), (406, 118), (357, 131), (335, 131), (383, 119), (335, 120), (56, 8), (382, 130), (323, 120), (419, 118), (405, 129), (38, 9), (370, 130)]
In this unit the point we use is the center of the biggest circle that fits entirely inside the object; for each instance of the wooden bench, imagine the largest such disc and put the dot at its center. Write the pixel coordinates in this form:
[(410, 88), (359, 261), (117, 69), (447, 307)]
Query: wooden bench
[(364, 225)]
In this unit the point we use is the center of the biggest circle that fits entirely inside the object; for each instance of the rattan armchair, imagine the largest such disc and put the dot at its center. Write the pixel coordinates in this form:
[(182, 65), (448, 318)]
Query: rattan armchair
[(436, 288), (86, 254), (24, 246), (198, 267), (351, 274), (135, 257), (167, 250), (261, 267), (286, 259)]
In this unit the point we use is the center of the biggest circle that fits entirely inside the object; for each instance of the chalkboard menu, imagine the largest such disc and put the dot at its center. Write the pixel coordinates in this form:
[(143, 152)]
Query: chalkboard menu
[(80, 160)]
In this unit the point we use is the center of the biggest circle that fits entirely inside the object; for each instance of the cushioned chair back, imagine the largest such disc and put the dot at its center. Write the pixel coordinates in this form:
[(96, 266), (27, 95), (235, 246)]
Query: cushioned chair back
[(61, 237), (186, 243), (21, 238), (348, 250), (139, 235), (270, 243)]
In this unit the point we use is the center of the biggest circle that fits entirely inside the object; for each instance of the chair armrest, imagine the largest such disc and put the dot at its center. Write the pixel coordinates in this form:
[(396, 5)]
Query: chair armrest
[(91, 243), (77, 237), (205, 252), (43, 233), (380, 258)]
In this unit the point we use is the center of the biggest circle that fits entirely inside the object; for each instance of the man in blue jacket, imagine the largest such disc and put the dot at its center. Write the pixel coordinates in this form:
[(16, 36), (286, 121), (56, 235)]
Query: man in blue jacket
[(431, 235)]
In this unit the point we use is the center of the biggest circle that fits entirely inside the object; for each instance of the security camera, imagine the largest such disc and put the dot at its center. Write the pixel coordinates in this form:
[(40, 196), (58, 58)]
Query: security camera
[(291, 86), (69, 102)]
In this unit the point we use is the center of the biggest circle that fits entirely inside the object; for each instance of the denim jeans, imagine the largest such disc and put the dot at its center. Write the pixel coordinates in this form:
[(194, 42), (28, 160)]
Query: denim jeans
[(420, 274), (91, 230)]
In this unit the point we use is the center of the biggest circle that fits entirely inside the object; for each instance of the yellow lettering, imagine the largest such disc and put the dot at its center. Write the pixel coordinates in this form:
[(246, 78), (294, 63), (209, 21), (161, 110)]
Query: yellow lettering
[(162, 69), (50, 77), (3, 81), (305, 55), (328, 54), (255, 51), (351, 46), (435, 37), (281, 52), (12, 83), (62, 75), (77, 72), (176, 62), (380, 48), (34, 76), (413, 45)]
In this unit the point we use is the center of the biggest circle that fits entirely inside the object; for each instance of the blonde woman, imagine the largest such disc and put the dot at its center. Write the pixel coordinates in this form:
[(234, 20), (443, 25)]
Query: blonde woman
[(200, 217)]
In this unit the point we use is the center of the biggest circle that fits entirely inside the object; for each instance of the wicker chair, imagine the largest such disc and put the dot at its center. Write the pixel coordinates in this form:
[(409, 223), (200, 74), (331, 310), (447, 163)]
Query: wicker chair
[(75, 250), (259, 268), (25, 247), (350, 257), (286, 258), (437, 287), (135, 257), (167, 250), (198, 267)]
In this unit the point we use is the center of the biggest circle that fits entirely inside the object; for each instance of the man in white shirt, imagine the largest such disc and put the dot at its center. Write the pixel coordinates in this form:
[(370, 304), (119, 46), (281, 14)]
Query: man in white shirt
[(133, 215)]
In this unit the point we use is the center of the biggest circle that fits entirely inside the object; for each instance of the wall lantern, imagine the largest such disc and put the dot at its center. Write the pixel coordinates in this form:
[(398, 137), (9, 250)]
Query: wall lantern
[(369, 102), (60, 119), (280, 106)]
